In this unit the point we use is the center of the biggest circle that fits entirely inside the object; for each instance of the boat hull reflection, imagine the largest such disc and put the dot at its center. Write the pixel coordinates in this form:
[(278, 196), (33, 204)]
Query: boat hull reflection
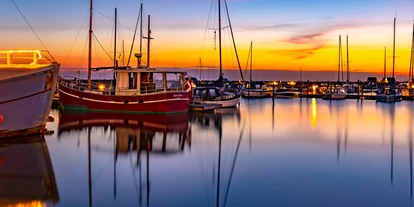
[(26, 173)]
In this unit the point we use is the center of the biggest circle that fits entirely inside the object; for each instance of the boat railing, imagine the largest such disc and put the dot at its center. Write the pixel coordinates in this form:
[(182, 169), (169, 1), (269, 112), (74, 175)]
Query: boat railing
[(20, 57), (97, 88)]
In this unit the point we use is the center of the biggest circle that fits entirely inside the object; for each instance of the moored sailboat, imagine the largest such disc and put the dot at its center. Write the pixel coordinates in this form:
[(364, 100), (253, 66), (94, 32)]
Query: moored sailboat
[(337, 92), (389, 93), (255, 89), (218, 93)]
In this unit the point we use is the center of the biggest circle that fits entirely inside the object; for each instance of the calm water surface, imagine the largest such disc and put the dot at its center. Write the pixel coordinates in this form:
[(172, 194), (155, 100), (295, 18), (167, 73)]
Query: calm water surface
[(291, 153)]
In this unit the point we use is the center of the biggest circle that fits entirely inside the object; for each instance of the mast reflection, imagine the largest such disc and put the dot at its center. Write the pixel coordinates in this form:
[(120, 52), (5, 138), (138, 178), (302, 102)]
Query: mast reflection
[(26, 173), (156, 134), (204, 119)]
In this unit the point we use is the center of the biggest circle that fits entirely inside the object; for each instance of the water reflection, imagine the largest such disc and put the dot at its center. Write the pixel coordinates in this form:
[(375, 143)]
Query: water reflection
[(265, 153), (26, 173), (131, 133)]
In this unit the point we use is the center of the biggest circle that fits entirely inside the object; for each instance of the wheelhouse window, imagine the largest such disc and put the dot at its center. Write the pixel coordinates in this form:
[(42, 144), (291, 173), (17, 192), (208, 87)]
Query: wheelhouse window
[(174, 81), (132, 80), (212, 93)]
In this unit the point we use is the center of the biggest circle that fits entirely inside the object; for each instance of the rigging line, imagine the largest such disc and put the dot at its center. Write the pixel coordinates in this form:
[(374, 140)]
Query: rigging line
[(133, 175), (113, 20), (133, 38), (233, 165), (33, 30), (83, 53), (155, 56), (102, 46), (73, 44), (207, 25), (97, 56), (248, 59)]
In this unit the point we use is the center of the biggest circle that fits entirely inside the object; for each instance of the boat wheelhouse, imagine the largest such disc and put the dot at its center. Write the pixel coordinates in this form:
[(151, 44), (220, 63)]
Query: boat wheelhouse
[(213, 95), (335, 93), (27, 86), (256, 89)]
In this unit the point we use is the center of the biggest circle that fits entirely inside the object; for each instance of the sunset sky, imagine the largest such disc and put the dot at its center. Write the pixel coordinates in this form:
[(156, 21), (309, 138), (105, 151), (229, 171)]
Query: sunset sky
[(286, 34)]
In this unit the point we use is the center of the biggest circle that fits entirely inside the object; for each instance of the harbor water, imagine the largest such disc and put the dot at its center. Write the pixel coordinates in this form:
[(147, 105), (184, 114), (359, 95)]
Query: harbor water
[(290, 152)]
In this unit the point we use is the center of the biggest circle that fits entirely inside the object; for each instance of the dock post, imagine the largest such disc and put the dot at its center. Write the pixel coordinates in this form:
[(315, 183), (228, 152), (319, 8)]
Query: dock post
[(307, 89), (359, 98), (330, 90)]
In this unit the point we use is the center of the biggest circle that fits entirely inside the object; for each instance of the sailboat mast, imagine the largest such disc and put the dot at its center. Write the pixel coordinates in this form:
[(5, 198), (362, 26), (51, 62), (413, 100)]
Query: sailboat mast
[(385, 63), (201, 67), (339, 58), (90, 46), (393, 49), (140, 38), (115, 62), (347, 60), (149, 41), (219, 29), (251, 62), (234, 42), (410, 75)]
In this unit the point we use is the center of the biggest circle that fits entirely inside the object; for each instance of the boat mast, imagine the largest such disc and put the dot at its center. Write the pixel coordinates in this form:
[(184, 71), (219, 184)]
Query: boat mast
[(410, 75), (251, 62), (115, 61), (339, 58), (201, 67), (149, 41), (347, 60), (219, 29), (234, 42), (90, 46), (385, 62), (393, 49), (140, 39)]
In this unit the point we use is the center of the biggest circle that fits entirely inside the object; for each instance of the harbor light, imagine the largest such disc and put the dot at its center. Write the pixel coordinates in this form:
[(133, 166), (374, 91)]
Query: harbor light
[(274, 83), (101, 87), (1, 118), (314, 87), (292, 83)]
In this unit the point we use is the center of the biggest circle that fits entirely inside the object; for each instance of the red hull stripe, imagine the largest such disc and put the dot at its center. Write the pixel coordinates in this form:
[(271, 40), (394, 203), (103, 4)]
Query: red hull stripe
[(16, 99), (115, 102)]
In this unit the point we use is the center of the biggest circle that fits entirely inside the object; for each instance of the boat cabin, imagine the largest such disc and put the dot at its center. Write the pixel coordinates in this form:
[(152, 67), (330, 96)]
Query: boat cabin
[(211, 93), (255, 85), (133, 82)]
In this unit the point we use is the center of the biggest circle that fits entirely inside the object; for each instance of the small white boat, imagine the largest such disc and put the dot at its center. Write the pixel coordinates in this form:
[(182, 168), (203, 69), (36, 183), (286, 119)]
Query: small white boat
[(256, 90), (284, 92), (348, 88), (213, 95), (335, 93), (27, 91)]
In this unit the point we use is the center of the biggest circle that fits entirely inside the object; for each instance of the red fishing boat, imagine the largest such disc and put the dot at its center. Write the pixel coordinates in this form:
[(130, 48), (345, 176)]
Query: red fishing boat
[(139, 90)]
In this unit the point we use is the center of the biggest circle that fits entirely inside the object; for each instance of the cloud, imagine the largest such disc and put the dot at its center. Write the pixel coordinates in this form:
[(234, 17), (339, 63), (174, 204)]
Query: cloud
[(298, 54), (306, 38), (274, 26)]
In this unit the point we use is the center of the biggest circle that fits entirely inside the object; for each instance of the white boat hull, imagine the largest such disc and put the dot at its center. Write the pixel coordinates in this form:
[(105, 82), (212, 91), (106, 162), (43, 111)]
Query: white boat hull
[(25, 101), (286, 95), (256, 93), (226, 103)]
